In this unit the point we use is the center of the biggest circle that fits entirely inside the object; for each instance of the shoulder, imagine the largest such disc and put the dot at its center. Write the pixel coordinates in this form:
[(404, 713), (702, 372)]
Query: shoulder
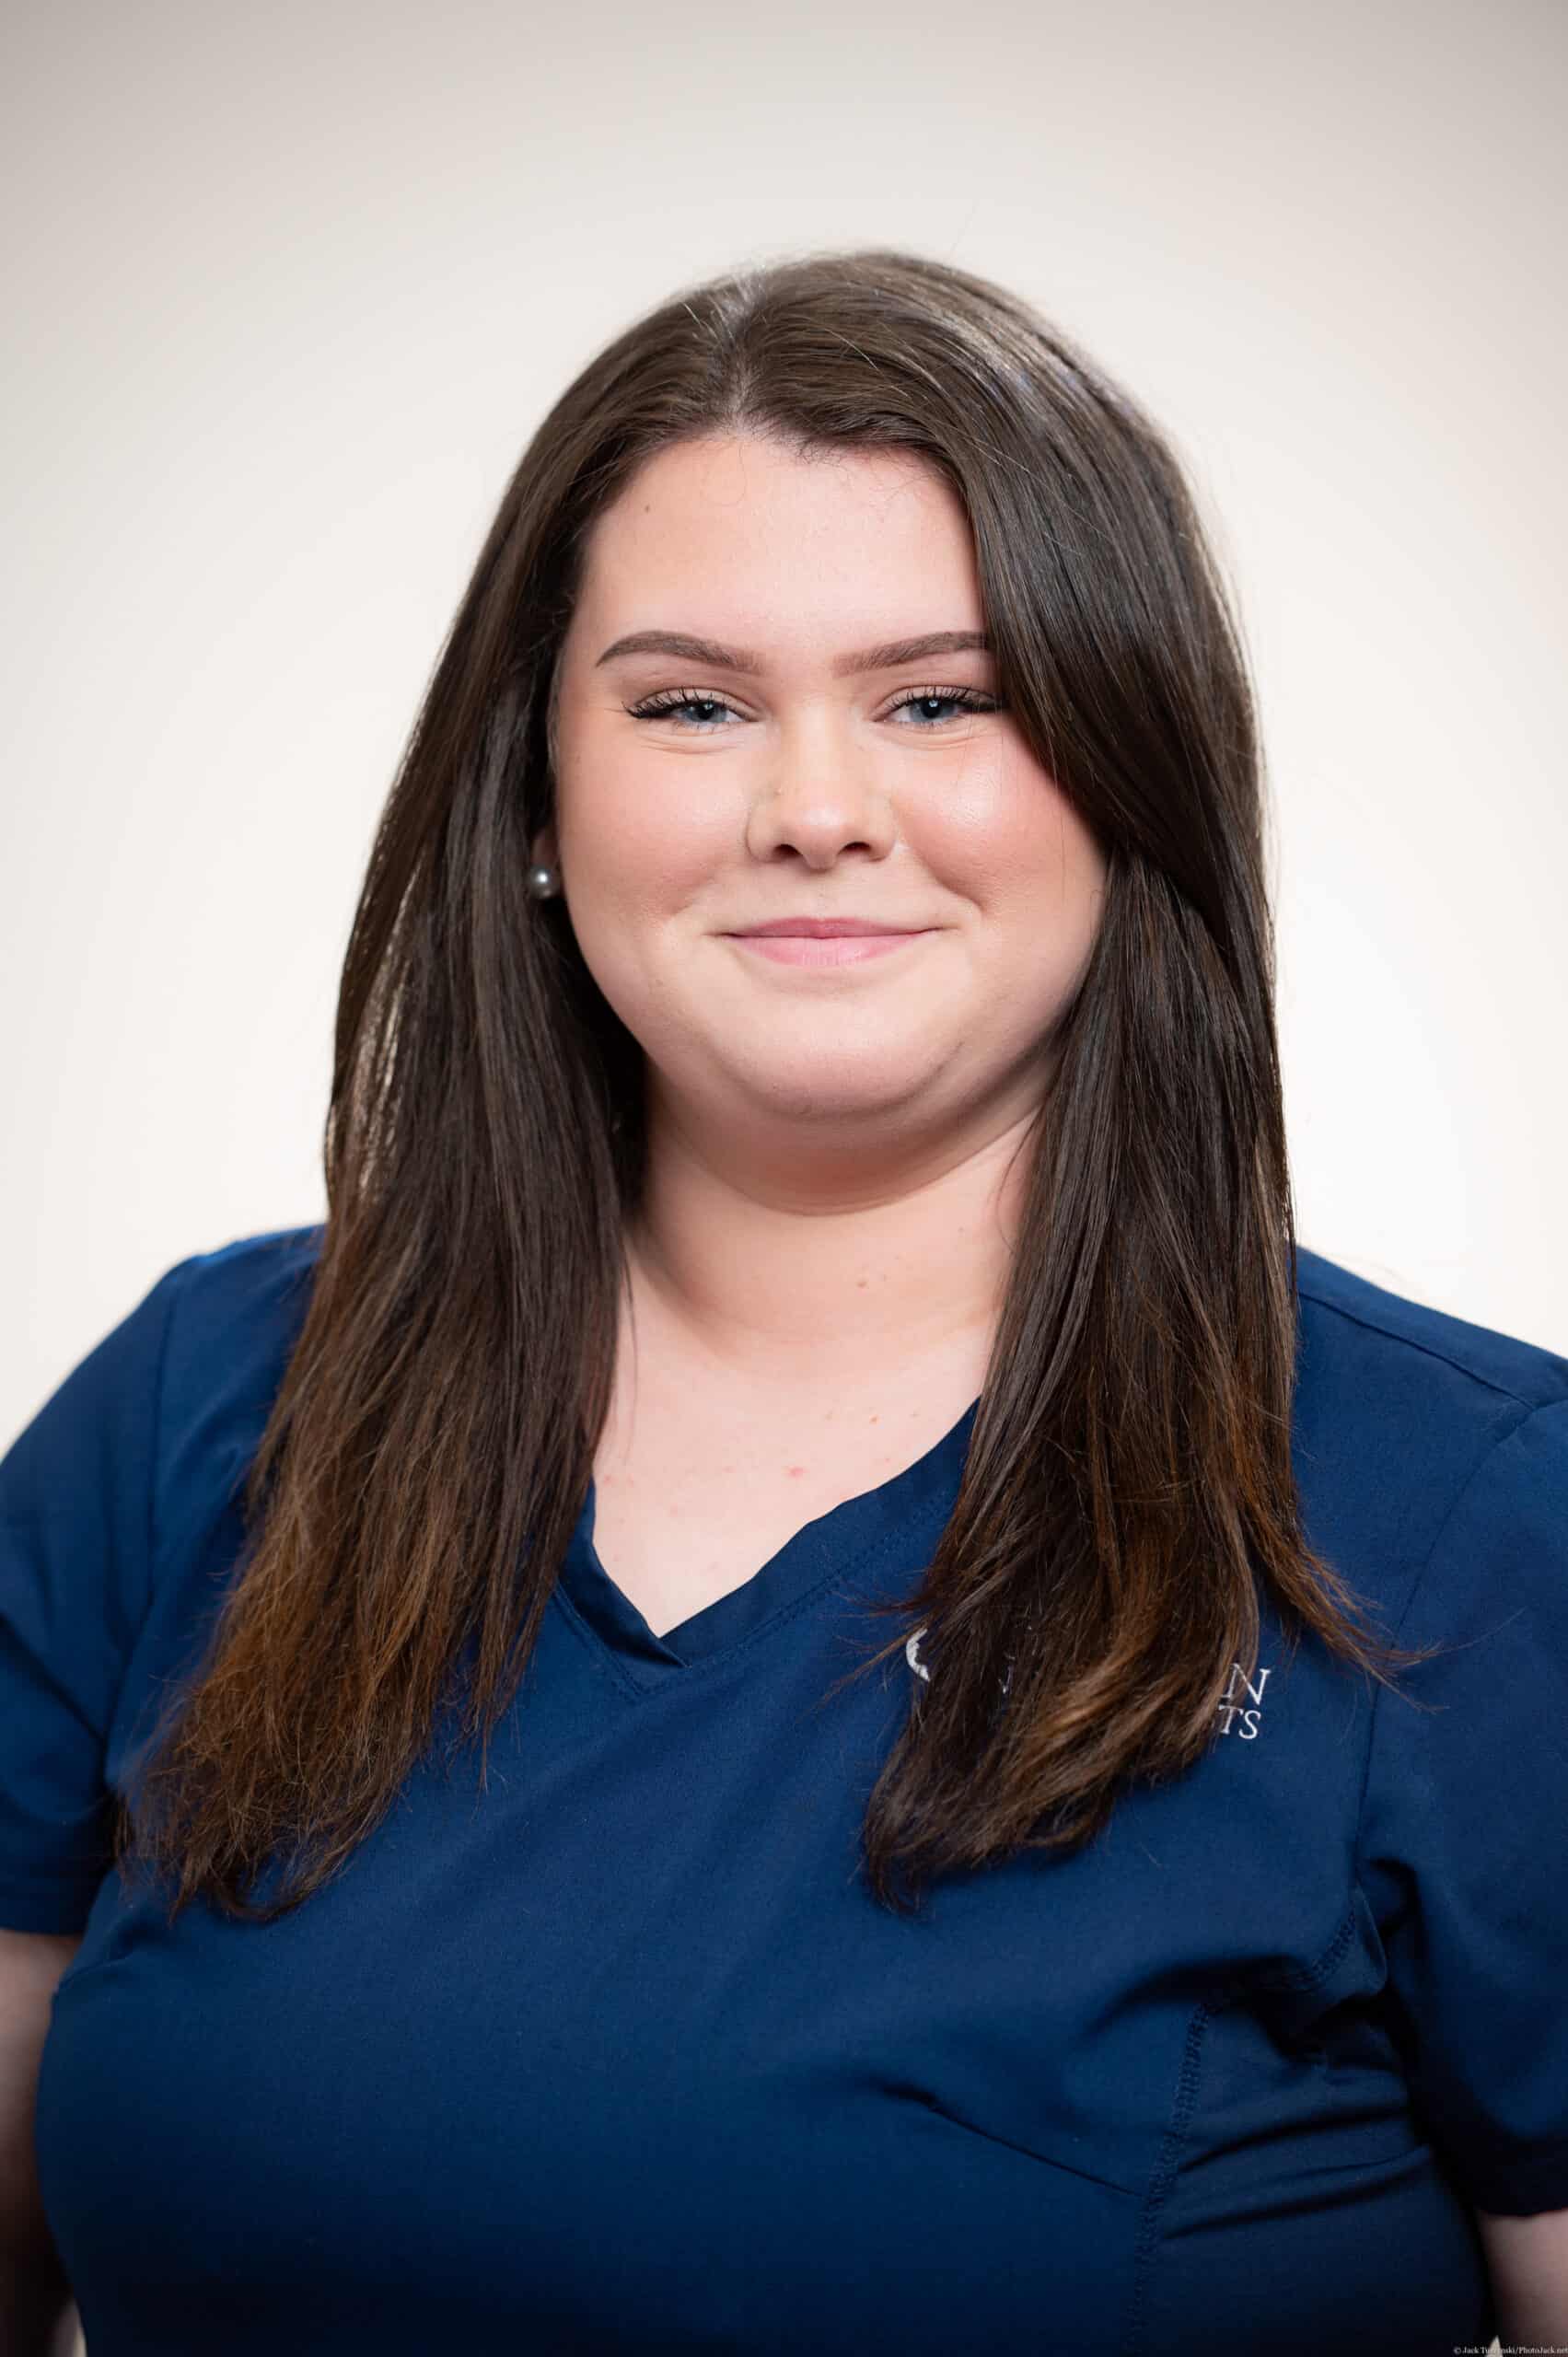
[(1425, 1439), (234, 1312), (210, 1335), (1365, 1333), (118, 1519), (1378, 1371), (233, 1315)]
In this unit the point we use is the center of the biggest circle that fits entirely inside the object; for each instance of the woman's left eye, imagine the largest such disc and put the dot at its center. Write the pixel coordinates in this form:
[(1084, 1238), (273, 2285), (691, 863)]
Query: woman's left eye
[(964, 698), (684, 700)]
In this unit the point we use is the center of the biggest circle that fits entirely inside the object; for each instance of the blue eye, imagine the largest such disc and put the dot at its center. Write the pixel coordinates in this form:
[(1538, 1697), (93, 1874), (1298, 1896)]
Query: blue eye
[(964, 699), (688, 700), (677, 700)]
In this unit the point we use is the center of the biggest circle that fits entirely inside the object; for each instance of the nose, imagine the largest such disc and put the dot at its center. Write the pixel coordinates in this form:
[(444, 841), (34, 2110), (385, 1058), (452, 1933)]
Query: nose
[(819, 801)]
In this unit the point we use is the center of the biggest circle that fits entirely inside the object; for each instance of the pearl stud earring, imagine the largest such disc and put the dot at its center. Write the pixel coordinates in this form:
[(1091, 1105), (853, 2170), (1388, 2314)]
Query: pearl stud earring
[(543, 883)]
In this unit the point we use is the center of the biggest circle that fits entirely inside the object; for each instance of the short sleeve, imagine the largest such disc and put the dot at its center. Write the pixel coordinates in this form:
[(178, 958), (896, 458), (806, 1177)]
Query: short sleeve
[(1463, 1852), (77, 1491)]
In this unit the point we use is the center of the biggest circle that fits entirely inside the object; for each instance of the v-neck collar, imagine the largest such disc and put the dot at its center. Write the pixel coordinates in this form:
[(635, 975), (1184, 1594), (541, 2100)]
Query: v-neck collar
[(913, 1505)]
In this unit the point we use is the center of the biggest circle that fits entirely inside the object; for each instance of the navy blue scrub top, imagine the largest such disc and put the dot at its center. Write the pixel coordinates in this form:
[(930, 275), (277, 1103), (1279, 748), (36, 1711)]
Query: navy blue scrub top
[(620, 2055)]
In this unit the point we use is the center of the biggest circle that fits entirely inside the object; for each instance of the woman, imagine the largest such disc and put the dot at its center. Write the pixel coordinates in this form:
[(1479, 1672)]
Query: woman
[(807, 1367)]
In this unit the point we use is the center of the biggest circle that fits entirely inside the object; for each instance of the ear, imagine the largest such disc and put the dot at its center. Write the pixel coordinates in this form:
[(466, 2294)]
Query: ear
[(545, 852)]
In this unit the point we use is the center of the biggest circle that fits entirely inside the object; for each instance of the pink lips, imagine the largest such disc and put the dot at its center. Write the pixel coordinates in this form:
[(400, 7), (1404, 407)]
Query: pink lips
[(824, 941), (819, 928)]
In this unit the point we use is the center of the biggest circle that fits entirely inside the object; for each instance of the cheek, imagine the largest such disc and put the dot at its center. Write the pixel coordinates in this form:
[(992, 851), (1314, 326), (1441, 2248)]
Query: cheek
[(1037, 875), (633, 846), (1014, 843), (1065, 865)]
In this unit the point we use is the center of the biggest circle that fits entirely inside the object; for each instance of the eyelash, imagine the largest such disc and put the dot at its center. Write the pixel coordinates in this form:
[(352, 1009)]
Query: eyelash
[(670, 700)]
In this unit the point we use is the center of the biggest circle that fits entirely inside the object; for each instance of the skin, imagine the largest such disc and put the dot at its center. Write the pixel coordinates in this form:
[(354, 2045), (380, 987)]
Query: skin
[(832, 1173)]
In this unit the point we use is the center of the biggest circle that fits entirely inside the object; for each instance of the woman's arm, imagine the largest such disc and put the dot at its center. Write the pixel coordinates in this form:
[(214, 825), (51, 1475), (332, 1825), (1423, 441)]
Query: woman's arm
[(1527, 2261), (37, 2317)]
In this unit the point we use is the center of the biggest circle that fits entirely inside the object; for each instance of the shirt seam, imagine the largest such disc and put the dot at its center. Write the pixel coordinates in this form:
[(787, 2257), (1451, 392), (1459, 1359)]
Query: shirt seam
[(1428, 1350), (1304, 1977), (600, 1654), (1417, 1589), (1148, 2243)]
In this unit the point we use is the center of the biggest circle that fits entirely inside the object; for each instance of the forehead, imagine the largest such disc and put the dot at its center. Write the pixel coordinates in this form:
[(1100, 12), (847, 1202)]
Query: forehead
[(744, 522)]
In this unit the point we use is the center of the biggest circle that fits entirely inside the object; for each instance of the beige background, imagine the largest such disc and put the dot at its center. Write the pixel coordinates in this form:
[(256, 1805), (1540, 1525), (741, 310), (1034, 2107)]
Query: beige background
[(289, 288)]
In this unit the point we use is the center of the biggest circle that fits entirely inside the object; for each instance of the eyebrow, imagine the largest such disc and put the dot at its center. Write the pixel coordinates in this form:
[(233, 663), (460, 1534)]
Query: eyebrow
[(890, 657)]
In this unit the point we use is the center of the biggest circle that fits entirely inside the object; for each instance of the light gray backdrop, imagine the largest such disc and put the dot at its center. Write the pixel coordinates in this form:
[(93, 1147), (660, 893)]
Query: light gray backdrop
[(287, 290)]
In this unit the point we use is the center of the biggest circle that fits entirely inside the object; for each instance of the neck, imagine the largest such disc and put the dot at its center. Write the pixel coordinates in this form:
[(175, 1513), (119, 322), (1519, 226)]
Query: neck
[(771, 1282)]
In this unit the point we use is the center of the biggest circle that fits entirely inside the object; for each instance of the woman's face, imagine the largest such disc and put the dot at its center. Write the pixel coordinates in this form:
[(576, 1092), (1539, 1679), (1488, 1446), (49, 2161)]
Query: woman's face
[(800, 783)]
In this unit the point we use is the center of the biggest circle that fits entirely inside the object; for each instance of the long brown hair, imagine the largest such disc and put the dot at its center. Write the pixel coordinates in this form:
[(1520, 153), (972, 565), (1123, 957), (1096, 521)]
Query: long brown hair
[(1129, 1480)]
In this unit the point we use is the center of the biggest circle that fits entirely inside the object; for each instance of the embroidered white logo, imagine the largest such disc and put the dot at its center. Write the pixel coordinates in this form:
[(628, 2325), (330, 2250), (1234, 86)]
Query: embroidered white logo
[(911, 1654), (1229, 1708), (1229, 1704)]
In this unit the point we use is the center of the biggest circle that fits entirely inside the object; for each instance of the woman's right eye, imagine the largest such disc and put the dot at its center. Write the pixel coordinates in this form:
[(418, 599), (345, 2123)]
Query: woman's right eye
[(679, 700)]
